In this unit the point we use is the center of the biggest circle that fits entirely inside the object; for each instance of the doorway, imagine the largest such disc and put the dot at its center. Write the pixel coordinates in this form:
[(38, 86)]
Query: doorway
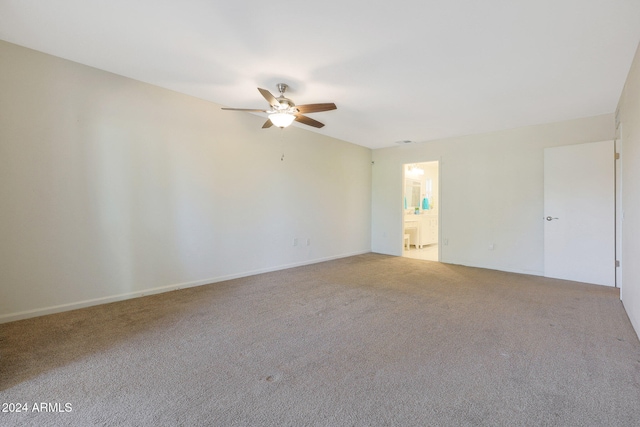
[(420, 220)]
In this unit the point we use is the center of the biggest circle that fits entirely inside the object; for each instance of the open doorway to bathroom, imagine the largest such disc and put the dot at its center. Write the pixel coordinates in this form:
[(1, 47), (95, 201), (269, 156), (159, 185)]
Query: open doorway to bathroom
[(420, 214)]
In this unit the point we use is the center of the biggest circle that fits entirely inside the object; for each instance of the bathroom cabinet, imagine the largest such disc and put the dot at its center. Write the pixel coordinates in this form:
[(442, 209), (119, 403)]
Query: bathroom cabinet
[(422, 229)]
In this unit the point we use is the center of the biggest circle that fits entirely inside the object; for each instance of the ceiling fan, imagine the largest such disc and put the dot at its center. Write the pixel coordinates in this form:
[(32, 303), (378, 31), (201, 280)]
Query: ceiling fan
[(283, 111)]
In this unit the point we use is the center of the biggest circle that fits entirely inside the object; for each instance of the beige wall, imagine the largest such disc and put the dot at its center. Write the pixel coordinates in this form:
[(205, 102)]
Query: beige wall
[(491, 192), (629, 118), (112, 188)]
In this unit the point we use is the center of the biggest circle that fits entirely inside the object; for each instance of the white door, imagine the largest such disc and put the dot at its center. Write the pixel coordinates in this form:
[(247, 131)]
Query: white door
[(579, 213)]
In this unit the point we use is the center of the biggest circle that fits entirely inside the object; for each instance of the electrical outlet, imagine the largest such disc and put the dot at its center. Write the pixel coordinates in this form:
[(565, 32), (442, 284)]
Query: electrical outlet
[(446, 242), (295, 241), (308, 242), (492, 246)]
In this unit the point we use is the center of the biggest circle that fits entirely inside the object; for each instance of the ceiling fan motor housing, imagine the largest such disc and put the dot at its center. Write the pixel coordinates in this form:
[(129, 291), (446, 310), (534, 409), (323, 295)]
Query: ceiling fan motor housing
[(285, 103)]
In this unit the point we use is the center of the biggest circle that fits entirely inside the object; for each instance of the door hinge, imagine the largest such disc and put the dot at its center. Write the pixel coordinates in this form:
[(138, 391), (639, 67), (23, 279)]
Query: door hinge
[(617, 263), (617, 156)]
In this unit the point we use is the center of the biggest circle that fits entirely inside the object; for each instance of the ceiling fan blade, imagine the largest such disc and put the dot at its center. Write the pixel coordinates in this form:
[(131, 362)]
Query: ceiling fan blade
[(245, 109), (267, 124), (270, 98), (316, 108), (308, 121)]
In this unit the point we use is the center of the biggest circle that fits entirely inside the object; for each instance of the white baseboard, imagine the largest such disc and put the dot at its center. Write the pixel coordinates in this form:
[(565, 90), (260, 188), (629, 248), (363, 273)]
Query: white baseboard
[(11, 317)]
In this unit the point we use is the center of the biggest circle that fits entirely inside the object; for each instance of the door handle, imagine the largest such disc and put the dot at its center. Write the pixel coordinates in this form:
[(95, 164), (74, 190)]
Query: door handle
[(550, 218)]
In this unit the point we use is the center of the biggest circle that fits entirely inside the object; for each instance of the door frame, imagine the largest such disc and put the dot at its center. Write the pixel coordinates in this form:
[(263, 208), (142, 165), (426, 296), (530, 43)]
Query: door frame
[(619, 213), (439, 193)]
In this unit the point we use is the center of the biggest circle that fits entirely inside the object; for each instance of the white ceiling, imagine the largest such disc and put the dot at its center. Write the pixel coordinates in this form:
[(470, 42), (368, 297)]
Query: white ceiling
[(402, 70)]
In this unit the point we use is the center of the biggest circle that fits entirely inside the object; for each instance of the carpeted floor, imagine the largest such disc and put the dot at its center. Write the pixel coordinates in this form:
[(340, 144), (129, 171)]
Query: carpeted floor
[(369, 340)]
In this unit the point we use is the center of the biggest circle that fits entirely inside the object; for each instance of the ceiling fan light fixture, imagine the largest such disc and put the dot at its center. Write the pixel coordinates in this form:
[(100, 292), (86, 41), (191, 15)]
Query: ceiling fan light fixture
[(414, 170), (282, 120)]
